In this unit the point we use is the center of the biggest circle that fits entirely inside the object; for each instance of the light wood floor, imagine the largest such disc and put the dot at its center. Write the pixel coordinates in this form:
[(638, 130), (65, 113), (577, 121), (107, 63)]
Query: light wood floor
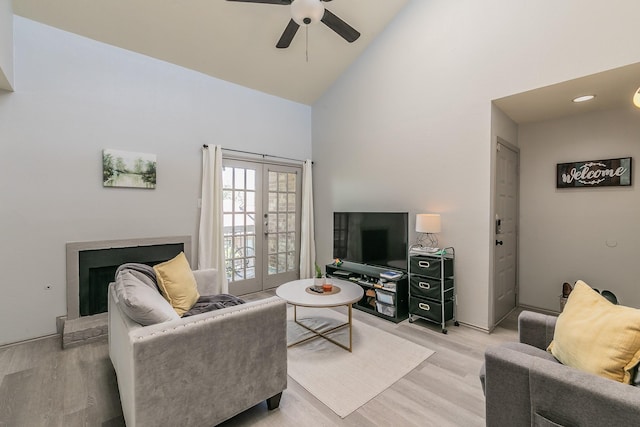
[(43, 385)]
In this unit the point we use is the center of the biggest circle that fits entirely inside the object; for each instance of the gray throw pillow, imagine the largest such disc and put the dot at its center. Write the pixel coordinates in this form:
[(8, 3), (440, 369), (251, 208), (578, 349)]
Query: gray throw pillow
[(140, 302), (145, 279)]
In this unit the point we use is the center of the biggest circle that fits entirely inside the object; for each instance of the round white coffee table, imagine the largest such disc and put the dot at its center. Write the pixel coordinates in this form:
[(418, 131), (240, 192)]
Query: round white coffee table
[(297, 294)]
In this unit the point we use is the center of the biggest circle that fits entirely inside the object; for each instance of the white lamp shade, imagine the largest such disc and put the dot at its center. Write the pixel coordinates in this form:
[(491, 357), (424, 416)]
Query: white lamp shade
[(312, 9), (636, 98), (428, 223)]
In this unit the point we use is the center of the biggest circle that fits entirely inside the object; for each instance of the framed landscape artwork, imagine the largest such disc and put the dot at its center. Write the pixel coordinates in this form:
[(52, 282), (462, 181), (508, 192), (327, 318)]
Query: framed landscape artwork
[(128, 169)]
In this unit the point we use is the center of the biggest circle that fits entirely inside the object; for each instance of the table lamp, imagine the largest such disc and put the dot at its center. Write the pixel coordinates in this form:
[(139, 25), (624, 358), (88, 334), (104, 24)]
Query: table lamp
[(427, 225)]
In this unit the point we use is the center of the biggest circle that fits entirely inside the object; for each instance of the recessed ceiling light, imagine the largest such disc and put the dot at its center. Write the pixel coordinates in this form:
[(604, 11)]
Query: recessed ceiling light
[(636, 98), (584, 98)]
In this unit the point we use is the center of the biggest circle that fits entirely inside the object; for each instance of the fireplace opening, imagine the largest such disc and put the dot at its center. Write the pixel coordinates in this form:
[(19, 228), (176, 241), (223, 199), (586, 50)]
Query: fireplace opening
[(97, 268)]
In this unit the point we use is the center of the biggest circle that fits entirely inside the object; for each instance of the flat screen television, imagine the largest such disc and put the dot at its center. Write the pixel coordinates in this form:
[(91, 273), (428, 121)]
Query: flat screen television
[(373, 238)]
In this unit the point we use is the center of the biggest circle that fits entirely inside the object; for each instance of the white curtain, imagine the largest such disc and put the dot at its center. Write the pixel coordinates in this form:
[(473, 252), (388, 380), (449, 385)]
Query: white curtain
[(210, 234), (307, 234)]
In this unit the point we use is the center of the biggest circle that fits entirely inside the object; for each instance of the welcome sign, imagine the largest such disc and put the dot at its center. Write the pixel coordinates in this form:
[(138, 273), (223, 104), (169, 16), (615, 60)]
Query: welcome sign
[(594, 173)]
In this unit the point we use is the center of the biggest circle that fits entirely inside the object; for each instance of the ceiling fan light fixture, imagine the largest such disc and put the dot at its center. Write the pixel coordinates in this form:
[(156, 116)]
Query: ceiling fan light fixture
[(306, 12), (636, 98)]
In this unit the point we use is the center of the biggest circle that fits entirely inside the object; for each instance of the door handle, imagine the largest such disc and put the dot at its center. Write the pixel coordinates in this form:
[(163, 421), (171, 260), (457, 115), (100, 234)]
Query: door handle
[(499, 242), (266, 225)]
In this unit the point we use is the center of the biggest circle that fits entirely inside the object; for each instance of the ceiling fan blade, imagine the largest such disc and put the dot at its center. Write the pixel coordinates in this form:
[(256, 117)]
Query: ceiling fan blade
[(343, 29), (284, 2), (287, 35)]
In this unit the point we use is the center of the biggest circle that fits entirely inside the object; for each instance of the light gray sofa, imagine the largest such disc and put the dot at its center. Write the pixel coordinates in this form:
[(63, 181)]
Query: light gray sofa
[(526, 386), (198, 370)]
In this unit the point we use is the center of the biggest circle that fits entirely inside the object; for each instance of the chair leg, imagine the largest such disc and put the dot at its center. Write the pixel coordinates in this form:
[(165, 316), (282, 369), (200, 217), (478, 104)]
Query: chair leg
[(274, 401)]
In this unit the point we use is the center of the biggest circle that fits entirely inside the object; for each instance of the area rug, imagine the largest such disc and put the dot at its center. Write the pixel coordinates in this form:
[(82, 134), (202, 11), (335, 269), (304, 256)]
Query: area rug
[(341, 380)]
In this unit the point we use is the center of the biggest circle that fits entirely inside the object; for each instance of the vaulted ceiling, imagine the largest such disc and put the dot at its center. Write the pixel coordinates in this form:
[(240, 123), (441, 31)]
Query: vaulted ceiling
[(230, 40), (236, 41)]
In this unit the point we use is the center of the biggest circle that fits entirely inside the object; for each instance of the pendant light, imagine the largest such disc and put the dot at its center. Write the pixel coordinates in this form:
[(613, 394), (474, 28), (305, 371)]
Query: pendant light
[(636, 98)]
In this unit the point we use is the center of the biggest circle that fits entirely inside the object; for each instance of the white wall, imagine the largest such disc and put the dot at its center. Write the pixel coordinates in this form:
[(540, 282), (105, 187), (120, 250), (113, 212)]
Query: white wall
[(408, 126), (6, 45), (564, 232), (76, 97)]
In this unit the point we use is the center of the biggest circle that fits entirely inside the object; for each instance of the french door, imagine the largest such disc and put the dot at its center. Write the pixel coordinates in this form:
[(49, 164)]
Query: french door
[(261, 205)]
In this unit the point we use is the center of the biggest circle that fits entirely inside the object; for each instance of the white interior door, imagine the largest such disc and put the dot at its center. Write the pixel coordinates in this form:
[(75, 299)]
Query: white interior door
[(506, 231)]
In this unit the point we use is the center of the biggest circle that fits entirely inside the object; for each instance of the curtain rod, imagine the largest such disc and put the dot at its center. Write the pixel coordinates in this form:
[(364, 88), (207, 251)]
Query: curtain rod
[(258, 154)]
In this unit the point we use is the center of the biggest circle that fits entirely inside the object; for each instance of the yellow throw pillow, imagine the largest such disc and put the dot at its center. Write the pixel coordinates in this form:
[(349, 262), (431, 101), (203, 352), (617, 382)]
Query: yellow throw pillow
[(597, 336), (177, 284)]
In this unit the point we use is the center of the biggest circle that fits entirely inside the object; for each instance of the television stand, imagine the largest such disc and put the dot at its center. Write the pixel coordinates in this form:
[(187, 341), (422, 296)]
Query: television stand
[(387, 299)]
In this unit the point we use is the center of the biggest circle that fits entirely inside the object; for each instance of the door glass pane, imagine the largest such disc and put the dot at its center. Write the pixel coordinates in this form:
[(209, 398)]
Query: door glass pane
[(273, 264), (238, 247), (238, 269), (282, 242), (238, 182), (273, 243), (273, 181), (239, 201), (250, 224), (291, 182), (238, 226), (291, 204), (251, 246), (291, 222), (251, 179), (228, 224), (227, 177), (282, 223), (273, 202), (291, 242), (282, 202), (291, 259), (273, 223), (227, 201), (229, 266), (251, 201), (250, 272), (228, 248), (282, 182)]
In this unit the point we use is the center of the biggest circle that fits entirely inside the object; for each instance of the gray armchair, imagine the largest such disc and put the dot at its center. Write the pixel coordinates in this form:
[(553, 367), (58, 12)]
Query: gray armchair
[(199, 370), (526, 386)]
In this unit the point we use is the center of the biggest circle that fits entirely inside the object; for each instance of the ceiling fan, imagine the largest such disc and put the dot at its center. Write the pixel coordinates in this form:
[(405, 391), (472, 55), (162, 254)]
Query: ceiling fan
[(305, 12)]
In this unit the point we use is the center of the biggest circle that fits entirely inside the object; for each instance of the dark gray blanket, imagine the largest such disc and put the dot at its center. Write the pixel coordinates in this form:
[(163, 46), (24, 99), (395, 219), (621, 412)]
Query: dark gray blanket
[(141, 268), (213, 302)]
